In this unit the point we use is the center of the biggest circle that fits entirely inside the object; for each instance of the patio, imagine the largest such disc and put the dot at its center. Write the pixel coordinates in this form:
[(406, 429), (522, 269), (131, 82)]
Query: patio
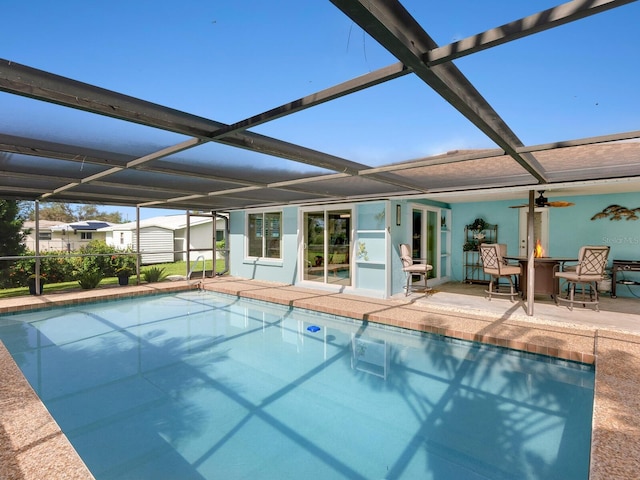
[(610, 338)]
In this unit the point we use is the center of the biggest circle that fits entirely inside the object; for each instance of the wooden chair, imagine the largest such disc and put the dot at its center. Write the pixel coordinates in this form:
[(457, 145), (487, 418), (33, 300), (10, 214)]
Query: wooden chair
[(496, 267), (410, 267), (590, 269)]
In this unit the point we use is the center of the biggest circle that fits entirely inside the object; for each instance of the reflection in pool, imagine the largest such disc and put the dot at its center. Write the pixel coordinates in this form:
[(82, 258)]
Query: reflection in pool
[(202, 385)]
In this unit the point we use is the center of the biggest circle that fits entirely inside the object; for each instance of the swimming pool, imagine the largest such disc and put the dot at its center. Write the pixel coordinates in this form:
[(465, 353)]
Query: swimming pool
[(201, 385)]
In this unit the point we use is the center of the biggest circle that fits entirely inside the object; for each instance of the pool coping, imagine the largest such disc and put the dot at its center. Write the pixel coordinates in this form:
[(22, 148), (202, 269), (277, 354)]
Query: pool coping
[(33, 438)]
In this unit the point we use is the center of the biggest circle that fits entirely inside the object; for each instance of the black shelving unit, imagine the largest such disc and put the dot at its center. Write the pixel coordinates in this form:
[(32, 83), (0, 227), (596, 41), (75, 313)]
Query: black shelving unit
[(475, 234)]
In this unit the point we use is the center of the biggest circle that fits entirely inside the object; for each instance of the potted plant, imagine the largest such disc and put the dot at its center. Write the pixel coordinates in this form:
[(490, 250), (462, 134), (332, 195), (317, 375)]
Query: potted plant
[(478, 225), (469, 246), (123, 274), (31, 281)]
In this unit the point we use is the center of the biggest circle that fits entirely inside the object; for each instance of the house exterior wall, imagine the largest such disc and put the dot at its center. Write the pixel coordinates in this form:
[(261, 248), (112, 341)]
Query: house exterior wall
[(275, 270), (375, 259), (55, 243), (151, 239), (62, 242), (201, 239), (120, 239), (155, 239), (569, 229)]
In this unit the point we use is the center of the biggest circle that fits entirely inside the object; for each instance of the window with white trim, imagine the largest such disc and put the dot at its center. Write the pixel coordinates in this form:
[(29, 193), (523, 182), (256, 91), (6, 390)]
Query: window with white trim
[(263, 235)]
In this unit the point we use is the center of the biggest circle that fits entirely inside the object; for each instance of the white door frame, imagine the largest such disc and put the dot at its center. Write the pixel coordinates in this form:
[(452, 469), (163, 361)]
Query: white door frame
[(544, 230), (438, 247)]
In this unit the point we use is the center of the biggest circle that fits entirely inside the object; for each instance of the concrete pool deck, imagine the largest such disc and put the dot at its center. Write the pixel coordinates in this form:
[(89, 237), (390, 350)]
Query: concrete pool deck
[(33, 447)]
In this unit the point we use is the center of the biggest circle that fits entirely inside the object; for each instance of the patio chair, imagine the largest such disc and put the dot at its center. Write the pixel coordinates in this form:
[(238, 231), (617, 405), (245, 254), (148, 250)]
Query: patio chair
[(496, 267), (590, 269), (413, 266)]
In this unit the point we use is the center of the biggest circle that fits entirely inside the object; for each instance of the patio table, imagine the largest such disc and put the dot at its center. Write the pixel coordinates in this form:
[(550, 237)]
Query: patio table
[(545, 267)]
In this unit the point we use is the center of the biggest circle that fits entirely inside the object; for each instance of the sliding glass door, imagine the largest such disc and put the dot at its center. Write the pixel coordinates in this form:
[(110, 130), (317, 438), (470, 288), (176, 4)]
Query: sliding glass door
[(327, 246), (424, 236)]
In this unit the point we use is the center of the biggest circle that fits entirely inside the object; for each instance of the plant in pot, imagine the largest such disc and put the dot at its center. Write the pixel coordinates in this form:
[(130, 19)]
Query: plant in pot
[(123, 274), (478, 225), (123, 266), (470, 246), (31, 281)]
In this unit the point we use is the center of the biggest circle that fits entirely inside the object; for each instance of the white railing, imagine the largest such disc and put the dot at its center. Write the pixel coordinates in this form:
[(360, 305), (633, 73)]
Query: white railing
[(193, 264)]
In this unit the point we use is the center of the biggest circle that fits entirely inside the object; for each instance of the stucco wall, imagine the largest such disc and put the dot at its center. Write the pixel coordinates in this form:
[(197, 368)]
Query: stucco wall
[(569, 228), (378, 275), (275, 270)]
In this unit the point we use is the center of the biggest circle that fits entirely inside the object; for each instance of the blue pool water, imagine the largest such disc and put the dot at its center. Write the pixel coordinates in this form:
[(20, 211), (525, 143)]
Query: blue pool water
[(204, 386)]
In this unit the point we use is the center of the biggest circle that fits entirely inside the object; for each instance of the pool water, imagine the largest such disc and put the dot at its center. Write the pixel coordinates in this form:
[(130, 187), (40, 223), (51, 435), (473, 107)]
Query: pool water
[(205, 386)]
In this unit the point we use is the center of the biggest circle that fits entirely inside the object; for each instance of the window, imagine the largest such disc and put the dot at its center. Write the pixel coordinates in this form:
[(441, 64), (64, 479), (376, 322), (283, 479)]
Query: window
[(44, 235), (263, 235), (121, 238), (86, 235)]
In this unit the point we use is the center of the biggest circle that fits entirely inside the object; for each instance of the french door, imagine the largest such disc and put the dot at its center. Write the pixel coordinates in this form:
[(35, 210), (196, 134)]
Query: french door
[(424, 235), (540, 230), (326, 256)]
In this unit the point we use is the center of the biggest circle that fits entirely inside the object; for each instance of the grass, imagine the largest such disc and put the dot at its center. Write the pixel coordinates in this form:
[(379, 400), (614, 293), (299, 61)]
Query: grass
[(175, 268)]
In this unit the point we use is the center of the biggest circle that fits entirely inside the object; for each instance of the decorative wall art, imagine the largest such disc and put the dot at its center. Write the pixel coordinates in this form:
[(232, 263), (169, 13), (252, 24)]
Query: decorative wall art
[(616, 212)]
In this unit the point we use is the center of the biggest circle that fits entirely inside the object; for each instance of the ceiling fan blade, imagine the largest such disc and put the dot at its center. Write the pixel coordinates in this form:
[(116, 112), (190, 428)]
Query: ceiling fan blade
[(560, 204)]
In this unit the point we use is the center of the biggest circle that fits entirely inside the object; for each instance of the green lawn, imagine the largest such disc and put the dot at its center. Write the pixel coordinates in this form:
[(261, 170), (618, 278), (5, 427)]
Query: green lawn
[(175, 268)]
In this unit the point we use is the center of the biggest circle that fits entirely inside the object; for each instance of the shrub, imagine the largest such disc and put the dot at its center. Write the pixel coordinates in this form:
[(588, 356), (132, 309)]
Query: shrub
[(154, 274), (89, 279), (59, 267), (53, 264), (122, 262), (88, 271), (100, 258)]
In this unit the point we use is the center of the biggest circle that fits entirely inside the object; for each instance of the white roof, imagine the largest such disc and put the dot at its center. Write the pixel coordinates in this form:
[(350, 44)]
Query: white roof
[(169, 222), (44, 224)]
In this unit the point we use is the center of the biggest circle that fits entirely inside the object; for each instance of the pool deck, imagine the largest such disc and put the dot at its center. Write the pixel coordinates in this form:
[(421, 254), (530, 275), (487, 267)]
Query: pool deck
[(33, 447)]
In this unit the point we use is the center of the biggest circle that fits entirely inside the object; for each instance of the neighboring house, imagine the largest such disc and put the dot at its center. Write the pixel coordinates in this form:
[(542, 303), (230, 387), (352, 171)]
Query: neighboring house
[(64, 237), (353, 247), (49, 240), (164, 239)]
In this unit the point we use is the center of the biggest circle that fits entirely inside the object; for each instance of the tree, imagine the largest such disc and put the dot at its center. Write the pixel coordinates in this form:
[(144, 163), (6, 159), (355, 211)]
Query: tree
[(11, 237), (91, 212), (56, 211), (65, 212), (25, 209)]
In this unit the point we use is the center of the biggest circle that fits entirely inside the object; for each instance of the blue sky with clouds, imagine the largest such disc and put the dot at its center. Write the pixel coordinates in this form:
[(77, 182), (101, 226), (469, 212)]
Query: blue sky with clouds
[(230, 60)]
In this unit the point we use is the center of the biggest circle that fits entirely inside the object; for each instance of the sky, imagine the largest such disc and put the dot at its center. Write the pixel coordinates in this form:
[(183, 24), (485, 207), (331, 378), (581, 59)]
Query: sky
[(227, 61)]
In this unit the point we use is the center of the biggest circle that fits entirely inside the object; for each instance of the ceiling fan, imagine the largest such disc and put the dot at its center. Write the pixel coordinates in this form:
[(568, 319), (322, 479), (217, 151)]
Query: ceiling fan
[(542, 201)]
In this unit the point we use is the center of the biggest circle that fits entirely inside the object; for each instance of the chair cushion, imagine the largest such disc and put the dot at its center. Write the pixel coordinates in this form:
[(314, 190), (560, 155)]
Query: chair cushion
[(505, 270), (574, 277), (418, 268)]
